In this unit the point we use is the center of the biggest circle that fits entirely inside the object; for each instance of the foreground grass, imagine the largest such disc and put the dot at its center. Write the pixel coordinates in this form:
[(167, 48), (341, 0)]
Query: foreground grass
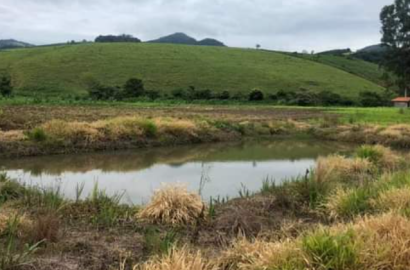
[(348, 213)]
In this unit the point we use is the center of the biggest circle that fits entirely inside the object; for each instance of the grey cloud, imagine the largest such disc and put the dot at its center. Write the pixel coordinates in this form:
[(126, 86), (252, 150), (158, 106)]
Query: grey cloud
[(276, 24)]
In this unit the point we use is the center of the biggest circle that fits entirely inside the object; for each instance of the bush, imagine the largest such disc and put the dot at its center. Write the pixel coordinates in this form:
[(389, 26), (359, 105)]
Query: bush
[(6, 89), (371, 99), (101, 92), (203, 94), (224, 95), (133, 88), (179, 93), (256, 95), (153, 94), (327, 98)]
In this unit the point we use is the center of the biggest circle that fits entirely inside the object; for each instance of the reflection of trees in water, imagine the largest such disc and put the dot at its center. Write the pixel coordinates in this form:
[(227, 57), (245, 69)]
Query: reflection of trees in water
[(135, 160)]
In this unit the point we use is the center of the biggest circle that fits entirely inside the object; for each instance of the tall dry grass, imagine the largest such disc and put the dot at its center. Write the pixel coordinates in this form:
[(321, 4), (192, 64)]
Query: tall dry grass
[(173, 205), (177, 259), (338, 168), (259, 254), (395, 199)]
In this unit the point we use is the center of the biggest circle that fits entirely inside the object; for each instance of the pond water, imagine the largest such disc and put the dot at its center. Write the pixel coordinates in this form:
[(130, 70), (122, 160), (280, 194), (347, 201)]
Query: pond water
[(213, 170)]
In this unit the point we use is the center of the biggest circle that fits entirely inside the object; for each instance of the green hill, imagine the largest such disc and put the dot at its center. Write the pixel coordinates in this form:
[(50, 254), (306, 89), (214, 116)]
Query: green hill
[(350, 64), (64, 70)]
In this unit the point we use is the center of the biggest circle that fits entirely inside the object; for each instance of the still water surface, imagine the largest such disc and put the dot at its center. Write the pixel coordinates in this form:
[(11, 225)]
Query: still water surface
[(214, 170)]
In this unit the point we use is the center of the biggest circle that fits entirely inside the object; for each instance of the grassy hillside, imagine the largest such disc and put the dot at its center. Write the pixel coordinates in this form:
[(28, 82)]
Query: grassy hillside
[(361, 68), (65, 69)]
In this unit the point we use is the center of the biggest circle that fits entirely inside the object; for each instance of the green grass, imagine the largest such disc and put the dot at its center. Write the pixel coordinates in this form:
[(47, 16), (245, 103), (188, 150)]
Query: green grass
[(64, 70), (381, 116), (358, 67)]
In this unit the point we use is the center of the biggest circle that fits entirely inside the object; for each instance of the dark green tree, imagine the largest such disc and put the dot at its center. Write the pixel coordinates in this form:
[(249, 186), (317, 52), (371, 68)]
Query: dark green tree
[(133, 88), (395, 20), (6, 88)]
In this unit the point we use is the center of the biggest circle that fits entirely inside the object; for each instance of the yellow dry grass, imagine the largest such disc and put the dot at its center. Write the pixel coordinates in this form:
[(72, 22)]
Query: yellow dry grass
[(177, 259), (395, 199), (8, 214), (385, 242), (174, 205), (335, 201), (341, 168), (258, 254)]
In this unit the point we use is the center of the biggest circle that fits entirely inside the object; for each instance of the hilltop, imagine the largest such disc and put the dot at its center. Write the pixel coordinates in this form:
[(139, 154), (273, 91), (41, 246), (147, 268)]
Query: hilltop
[(64, 70), (12, 44), (182, 38)]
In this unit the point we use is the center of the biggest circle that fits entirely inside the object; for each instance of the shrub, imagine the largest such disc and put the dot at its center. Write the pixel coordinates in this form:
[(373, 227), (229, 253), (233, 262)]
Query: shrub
[(173, 205), (153, 94), (101, 92), (133, 88), (305, 97), (371, 99), (203, 94), (256, 95), (179, 93), (327, 98), (224, 95), (6, 88)]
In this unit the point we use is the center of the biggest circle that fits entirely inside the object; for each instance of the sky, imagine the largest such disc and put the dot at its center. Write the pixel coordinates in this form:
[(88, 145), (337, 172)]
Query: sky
[(286, 25)]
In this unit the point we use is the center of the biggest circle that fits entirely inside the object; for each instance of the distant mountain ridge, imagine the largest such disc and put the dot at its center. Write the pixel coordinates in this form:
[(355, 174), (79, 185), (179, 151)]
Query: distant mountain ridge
[(12, 44), (182, 38)]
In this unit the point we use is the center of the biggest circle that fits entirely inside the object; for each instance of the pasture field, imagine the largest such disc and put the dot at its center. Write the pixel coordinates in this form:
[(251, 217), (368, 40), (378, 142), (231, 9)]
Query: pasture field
[(65, 70)]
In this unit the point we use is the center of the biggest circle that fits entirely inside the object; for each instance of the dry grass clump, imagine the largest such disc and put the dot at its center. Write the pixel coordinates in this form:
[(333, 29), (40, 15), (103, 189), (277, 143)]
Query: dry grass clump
[(396, 199), (396, 134), (174, 205), (385, 241), (177, 259), (343, 169), (120, 128), (382, 157), (8, 216), (259, 254), (177, 127), (12, 136), (71, 132)]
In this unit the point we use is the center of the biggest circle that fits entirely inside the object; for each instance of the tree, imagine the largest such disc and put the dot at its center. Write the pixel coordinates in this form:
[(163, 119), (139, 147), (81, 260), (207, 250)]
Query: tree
[(258, 46), (6, 88), (133, 88), (395, 20)]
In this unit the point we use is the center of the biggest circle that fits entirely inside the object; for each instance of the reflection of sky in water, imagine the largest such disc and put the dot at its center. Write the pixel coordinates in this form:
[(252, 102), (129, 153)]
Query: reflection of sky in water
[(226, 178)]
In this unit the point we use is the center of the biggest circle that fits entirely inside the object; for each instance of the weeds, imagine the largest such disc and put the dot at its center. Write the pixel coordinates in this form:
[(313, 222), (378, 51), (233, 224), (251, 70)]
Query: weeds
[(157, 244)]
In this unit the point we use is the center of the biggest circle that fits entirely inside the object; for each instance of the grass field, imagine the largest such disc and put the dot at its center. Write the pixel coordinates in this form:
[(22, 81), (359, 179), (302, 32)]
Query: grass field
[(64, 70), (358, 67)]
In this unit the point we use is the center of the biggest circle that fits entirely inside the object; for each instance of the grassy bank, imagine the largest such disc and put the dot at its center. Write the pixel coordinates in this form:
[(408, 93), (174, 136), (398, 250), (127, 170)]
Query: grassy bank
[(348, 213), (55, 128)]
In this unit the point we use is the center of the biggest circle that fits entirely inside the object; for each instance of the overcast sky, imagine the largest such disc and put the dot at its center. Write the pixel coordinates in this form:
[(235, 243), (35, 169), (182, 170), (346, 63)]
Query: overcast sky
[(291, 25)]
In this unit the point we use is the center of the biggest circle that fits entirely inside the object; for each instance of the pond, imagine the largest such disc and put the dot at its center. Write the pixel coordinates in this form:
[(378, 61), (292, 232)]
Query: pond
[(211, 169)]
